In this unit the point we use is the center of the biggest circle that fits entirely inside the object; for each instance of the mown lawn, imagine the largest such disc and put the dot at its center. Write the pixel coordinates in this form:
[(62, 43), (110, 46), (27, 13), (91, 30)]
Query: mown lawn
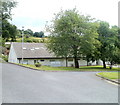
[(82, 68), (110, 75), (32, 39)]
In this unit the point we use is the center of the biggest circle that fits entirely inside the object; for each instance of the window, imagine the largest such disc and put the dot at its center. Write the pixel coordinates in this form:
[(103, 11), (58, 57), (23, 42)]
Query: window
[(25, 61), (32, 49), (42, 60), (24, 48), (37, 48), (35, 61), (71, 60), (52, 60)]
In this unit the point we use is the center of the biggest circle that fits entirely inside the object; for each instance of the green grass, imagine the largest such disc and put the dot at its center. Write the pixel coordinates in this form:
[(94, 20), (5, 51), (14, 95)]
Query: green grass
[(110, 75), (32, 38), (98, 68), (82, 68)]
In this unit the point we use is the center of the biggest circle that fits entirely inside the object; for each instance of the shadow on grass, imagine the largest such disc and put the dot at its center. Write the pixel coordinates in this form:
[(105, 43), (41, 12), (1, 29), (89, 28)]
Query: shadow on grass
[(99, 68), (93, 68)]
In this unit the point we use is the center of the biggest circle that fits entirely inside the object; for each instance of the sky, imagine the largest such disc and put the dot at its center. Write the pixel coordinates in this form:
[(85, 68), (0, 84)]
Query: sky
[(33, 14)]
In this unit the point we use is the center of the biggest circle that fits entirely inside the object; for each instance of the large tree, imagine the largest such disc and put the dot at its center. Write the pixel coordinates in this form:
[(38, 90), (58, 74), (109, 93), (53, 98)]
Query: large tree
[(109, 50), (67, 32), (113, 50), (8, 30), (39, 34), (90, 44), (103, 31), (28, 32), (7, 6)]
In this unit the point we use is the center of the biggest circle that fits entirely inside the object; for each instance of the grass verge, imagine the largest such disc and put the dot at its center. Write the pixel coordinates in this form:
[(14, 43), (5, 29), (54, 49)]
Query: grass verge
[(82, 68), (110, 75)]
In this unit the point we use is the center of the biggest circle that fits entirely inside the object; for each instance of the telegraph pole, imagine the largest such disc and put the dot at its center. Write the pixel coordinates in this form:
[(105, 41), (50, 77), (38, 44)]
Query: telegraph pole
[(22, 41)]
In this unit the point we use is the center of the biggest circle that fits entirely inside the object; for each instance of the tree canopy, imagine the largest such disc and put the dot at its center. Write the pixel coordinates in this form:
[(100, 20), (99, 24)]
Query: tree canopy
[(69, 31), (82, 37), (8, 30), (7, 6), (39, 34), (109, 49)]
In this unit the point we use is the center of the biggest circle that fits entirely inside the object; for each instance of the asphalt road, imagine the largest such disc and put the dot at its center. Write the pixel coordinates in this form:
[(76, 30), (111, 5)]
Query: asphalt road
[(22, 85)]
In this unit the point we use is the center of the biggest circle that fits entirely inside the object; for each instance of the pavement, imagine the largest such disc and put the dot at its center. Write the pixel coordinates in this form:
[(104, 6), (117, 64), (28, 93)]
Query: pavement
[(23, 85)]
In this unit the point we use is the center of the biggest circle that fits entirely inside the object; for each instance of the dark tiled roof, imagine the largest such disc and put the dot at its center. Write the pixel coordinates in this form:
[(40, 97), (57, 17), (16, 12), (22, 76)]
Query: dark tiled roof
[(32, 50)]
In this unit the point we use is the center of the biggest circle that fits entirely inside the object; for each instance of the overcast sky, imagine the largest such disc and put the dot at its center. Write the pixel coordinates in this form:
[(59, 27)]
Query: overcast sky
[(33, 14)]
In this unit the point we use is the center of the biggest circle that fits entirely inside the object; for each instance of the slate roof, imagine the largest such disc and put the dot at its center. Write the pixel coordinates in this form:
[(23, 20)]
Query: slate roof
[(32, 50)]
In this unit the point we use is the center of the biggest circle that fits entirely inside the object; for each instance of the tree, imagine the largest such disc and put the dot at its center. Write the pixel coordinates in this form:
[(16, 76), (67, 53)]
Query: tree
[(103, 31), (57, 45), (112, 46), (90, 44), (7, 6), (41, 34), (109, 50), (67, 32), (29, 32), (8, 30), (36, 34), (5, 29), (13, 31)]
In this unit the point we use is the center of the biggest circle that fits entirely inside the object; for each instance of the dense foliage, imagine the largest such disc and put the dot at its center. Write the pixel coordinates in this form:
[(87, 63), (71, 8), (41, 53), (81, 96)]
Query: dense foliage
[(72, 35), (9, 31), (39, 34), (79, 36)]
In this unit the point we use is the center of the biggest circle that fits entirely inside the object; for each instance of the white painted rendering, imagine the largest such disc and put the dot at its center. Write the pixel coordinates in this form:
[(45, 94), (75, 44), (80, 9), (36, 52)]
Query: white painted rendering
[(12, 56), (82, 62)]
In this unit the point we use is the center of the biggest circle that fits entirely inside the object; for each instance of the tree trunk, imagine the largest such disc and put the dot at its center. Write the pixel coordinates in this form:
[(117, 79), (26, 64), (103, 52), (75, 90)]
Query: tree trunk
[(104, 65), (87, 63), (75, 56), (111, 63), (96, 62), (66, 62), (76, 62)]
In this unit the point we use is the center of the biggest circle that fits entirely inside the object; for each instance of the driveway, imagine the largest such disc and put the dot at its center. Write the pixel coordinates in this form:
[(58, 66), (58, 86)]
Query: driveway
[(23, 85)]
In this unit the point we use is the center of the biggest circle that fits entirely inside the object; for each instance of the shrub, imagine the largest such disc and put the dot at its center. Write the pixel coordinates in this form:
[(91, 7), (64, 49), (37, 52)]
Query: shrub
[(35, 40), (28, 40), (5, 58), (37, 64)]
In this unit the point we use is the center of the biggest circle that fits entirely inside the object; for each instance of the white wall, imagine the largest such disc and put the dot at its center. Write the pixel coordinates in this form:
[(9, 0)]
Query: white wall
[(82, 62), (12, 55), (46, 62), (56, 62)]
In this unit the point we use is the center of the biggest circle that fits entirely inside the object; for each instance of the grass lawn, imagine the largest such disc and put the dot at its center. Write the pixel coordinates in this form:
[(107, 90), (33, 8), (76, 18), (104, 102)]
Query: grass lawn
[(82, 68), (110, 75), (32, 38)]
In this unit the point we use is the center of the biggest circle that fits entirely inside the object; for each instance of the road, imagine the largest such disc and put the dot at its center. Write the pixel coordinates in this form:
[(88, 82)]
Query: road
[(23, 85)]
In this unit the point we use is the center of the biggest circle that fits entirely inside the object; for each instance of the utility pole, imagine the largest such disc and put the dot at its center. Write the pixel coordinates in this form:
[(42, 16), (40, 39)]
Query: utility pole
[(22, 41)]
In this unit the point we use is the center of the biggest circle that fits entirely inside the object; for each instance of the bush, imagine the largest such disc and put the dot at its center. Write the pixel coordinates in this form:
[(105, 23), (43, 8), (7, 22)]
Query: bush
[(5, 58), (35, 40), (37, 64), (27, 40)]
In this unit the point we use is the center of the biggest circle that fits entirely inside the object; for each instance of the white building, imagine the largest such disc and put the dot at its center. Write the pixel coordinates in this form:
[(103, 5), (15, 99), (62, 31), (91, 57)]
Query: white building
[(37, 52)]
